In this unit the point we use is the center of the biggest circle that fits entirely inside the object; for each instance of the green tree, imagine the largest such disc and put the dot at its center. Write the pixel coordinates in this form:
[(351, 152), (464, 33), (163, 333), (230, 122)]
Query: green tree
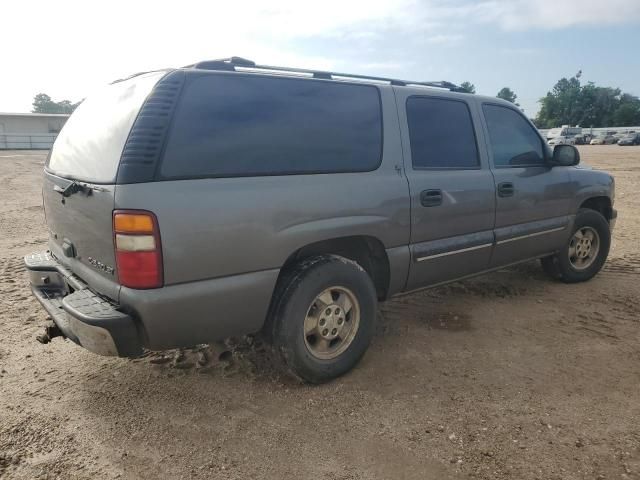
[(509, 95), (628, 112), (42, 103), (559, 104), (571, 103), (467, 87)]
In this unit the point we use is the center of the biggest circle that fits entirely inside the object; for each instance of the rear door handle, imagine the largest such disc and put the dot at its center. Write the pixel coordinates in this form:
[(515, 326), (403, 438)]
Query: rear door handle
[(506, 189), (431, 198)]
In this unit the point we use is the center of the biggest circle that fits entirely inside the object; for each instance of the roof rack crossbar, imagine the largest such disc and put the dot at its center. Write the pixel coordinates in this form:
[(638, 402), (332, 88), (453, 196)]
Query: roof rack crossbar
[(233, 63)]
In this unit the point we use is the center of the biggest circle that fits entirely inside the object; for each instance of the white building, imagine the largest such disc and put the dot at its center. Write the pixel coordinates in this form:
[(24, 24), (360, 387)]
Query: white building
[(30, 130)]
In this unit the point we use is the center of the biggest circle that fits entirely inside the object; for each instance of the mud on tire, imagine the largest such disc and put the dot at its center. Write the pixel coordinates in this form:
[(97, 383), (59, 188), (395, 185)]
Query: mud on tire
[(573, 262), (322, 317)]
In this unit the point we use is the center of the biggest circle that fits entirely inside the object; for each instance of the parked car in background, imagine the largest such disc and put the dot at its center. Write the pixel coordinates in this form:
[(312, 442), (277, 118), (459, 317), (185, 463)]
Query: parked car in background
[(564, 131), (581, 139), (630, 139), (603, 140), (562, 140)]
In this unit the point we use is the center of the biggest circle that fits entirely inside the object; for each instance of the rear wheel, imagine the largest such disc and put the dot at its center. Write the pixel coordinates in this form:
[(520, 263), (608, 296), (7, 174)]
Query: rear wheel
[(323, 317), (585, 252)]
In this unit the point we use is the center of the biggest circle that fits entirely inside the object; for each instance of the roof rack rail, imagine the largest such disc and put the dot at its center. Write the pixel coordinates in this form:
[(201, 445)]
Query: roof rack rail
[(118, 80), (233, 63)]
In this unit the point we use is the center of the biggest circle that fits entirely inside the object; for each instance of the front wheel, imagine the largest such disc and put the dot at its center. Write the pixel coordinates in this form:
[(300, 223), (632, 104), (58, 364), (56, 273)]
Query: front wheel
[(585, 252), (323, 317)]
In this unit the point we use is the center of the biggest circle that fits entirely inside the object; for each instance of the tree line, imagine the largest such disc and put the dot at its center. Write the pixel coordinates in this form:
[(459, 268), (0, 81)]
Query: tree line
[(572, 103), (42, 103), (505, 93)]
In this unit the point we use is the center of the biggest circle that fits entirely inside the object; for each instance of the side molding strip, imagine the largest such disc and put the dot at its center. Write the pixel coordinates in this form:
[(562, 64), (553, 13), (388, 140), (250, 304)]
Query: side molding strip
[(453, 252), (522, 237)]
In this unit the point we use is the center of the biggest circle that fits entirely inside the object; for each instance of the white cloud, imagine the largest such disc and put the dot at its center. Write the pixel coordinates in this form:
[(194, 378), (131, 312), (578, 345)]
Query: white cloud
[(444, 39), (66, 47), (554, 14)]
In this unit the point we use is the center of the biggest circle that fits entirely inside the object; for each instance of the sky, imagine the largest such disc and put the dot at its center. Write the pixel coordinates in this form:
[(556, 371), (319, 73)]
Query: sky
[(67, 48)]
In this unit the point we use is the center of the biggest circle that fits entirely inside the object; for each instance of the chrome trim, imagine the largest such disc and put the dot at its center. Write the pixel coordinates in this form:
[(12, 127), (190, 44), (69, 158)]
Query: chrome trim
[(471, 275), (444, 254), (522, 237)]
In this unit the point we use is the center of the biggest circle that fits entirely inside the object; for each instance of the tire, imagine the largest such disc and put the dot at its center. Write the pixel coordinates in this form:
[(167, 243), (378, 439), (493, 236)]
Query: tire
[(568, 265), (318, 356)]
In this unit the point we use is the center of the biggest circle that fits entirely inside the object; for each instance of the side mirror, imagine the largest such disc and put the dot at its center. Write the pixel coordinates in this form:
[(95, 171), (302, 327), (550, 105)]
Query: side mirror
[(565, 156)]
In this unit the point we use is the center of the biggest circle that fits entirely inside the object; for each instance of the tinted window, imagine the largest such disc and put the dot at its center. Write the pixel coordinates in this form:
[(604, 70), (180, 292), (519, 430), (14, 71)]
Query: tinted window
[(91, 142), (441, 133), (242, 125), (513, 140)]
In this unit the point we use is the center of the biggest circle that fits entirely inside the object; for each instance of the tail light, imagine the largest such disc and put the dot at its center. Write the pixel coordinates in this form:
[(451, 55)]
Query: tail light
[(136, 239)]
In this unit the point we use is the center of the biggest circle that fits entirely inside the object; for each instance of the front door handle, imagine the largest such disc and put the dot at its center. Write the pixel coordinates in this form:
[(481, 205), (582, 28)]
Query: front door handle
[(506, 189), (431, 198)]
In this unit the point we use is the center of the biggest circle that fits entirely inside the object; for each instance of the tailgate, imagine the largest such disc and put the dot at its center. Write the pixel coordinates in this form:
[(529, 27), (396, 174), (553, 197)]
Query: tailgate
[(80, 231)]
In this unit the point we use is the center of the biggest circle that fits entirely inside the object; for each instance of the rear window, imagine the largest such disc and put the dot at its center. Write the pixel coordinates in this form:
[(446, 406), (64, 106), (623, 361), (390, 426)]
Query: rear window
[(243, 125), (90, 144)]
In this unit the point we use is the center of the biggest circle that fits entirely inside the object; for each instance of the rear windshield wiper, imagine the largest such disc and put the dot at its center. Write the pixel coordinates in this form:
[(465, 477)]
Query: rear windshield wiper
[(75, 187), (70, 189)]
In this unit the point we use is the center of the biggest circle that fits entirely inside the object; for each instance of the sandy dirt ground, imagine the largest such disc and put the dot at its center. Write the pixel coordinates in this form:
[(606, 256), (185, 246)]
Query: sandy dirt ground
[(507, 376)]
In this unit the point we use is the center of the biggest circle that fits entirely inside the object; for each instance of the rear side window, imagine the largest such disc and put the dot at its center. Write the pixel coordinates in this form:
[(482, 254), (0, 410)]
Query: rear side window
[(513, 140), (441, 134), (91, 142), (243, 125)]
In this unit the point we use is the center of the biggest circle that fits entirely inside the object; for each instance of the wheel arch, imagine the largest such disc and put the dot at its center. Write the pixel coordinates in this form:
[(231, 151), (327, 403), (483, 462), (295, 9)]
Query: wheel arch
[(601, 204), (368, 251)]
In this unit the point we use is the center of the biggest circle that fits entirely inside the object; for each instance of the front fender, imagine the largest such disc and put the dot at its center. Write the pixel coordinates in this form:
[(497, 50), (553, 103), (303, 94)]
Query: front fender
[(588, 184)]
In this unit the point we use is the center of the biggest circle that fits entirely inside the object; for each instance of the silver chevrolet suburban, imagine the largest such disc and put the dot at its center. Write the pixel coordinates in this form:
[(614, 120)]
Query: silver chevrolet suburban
[(224, 198)]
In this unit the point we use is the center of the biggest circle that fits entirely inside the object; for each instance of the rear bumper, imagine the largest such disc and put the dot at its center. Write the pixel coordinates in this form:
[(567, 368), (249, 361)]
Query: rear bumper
[(181, 315), (84, 317)]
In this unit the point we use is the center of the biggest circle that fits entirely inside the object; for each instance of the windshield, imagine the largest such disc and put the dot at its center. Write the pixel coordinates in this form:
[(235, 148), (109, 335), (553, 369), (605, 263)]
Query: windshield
[(91, 142)]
